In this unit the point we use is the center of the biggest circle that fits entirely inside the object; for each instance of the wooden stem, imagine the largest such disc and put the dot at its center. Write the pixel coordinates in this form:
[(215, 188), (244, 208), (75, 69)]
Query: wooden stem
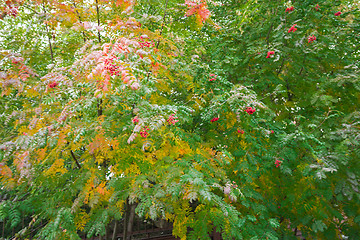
[(98, 18), (76, 161), (49, 37)]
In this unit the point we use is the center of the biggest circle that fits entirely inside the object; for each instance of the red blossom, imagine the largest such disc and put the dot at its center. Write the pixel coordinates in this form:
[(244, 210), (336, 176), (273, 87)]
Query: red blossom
[(337, 14), (317, 7), (214, 119), (277, 163), (292, 29), (240, 131), (135, 120), (272, 131), (270, 53), (289, 9), (214, 77), (250, 110), (144, 132), (53, 85), (311, 39)]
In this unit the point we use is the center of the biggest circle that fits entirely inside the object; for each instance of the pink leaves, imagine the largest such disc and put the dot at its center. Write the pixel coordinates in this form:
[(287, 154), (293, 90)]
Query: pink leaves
[(135, 86), (172, 119), (214, 119), (250, 110), (337, 14), (292, 29), (200, 9), (270, 53), (311, 39), (289, 9)]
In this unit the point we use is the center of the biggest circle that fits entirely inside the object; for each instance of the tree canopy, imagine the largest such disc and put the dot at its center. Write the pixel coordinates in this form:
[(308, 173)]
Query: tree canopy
[(235, 116)]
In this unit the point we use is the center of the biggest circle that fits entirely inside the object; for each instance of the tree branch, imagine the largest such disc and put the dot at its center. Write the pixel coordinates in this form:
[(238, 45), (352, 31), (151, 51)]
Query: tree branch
[(78, 14), (161, 31), (76, 161), (98, 18), (48, 34)]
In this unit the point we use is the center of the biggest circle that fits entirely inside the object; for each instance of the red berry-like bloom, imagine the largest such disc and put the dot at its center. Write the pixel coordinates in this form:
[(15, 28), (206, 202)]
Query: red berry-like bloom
[(311, 39), (135, 120), (144, 132), (214, 77), (277, 163), (250, 110), (338, 13), (53, 85), (317, 7), (292, 29), (240, 131), (270, 53), (289, 9), (214, 119), (272, 131)]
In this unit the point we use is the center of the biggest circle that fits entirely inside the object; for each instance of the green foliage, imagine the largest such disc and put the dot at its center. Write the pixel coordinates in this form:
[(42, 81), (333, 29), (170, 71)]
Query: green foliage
[(107, 105)]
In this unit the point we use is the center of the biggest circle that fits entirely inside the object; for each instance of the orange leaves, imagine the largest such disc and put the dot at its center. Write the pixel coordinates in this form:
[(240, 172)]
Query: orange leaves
[(5, 170), (97, 144), (125, 3), (200, 9)]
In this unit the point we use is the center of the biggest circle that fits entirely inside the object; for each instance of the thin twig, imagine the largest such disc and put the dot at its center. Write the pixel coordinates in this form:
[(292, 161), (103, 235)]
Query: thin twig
[(161, 31), (48, 34), (78, 14), (98, 18), (76, 161)]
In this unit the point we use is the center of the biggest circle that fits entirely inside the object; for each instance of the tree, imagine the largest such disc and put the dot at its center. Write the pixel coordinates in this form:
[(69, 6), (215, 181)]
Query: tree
[(246, 122)]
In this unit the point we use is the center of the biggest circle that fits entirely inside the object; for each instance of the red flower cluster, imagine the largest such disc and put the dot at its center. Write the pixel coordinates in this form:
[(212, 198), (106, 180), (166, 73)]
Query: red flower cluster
[(172, 119), (240, 131), (214, 119), (277, 163), (250, 110), (143, 43), (111, 66), (311, 39), (214, 77), (135, 120), (144, 132), (270, 53), (289, 9), (338, 13), (53, 85), (292, 29), (317, 7)]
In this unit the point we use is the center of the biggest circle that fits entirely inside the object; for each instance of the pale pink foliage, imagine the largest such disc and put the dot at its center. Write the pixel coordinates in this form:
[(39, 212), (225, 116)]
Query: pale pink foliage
[(199, 8)]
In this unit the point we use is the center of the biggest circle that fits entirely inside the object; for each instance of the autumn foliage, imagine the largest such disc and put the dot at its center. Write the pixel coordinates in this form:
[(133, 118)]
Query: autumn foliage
[(238, 118)]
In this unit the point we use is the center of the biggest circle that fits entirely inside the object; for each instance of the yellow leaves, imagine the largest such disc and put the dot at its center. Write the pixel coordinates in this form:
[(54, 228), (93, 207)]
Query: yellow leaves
[(31, 92), (81, 219), (231, 120), (182, 219), (133, 170), (56, 167)]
